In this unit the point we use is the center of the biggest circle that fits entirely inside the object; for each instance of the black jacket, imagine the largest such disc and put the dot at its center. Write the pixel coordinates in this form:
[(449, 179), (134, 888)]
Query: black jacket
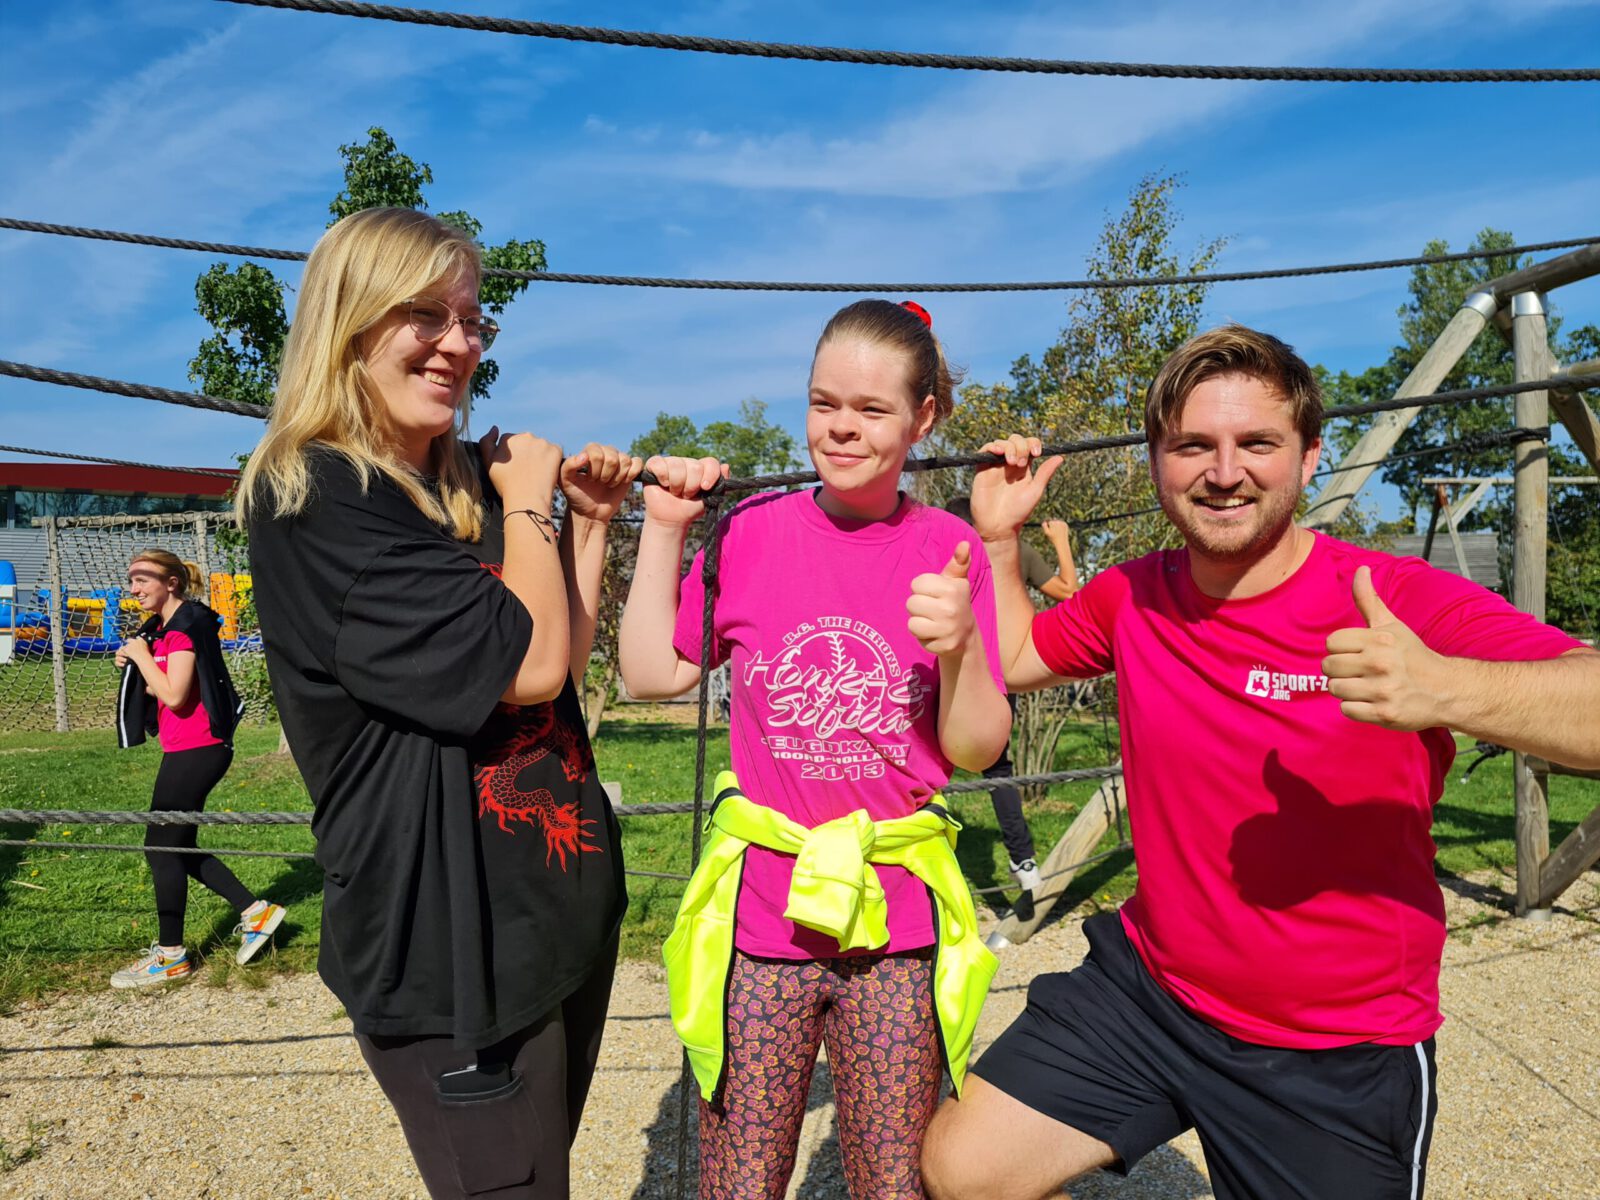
[(136, 707)]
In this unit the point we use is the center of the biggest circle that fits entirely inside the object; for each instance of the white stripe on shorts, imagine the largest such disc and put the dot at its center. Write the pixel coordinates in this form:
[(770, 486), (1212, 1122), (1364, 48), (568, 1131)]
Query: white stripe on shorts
[(1422, 1126)]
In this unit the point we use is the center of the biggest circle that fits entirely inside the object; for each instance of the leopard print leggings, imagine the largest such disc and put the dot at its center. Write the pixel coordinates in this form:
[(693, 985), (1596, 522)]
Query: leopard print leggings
[(875, 1014)]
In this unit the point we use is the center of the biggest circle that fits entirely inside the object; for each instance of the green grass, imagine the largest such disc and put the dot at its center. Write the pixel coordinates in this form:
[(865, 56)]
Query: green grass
[(27, 692), (13, 1156), (68, 918)]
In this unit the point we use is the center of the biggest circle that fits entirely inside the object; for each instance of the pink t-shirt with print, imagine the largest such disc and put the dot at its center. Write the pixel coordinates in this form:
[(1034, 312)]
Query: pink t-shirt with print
[(188, 727), (835, 703), (1286, 891)]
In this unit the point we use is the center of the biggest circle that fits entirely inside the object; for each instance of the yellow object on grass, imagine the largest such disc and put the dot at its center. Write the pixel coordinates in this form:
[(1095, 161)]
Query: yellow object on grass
[(835, 890)]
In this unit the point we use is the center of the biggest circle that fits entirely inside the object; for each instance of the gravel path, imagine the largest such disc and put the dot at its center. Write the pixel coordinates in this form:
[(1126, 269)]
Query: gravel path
[(260, 1094)]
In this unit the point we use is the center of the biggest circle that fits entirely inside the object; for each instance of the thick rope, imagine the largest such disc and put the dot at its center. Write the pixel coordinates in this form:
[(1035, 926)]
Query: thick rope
[(709, 567), (947, 62), (1137, 438), (119, 462), (1472, 443), (225, 853), (758, 483), (293, 854), (157, 849), (62, 816), (140, 391), (747, 285)]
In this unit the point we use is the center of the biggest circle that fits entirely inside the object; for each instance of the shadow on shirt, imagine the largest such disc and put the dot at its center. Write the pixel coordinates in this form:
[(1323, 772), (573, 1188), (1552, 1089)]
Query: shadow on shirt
[(1311, 845)]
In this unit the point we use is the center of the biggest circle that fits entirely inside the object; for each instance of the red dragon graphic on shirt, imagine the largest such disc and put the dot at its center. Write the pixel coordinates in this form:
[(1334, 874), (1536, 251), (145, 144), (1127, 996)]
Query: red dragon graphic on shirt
[(531, 735)]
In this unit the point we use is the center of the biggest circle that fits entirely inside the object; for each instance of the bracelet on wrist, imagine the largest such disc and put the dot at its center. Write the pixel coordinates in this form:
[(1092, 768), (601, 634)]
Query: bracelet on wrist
[(541, 522)]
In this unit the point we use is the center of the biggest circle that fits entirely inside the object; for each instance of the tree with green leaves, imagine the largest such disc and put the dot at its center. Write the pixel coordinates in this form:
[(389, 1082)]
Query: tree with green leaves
[(245, 309), (752, 445), (1436, 291), (1090, 382)]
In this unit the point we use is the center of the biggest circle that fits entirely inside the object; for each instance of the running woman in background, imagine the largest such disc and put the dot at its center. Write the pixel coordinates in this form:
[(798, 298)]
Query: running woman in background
[(847, 718), (175, 684)]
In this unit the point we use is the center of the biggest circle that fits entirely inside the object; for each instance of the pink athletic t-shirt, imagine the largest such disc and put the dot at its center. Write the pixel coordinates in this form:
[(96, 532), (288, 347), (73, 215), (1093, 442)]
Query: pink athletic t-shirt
[(835, 704), (186, 728), (1286, 892)]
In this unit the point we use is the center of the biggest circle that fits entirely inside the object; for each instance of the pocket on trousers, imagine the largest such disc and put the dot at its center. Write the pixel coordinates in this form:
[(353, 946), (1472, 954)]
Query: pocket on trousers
[(493, 1137)]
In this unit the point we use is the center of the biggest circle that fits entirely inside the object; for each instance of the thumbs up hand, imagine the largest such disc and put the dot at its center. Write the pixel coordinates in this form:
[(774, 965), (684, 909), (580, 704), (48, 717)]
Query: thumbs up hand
[(941, 605), (1382, 672)]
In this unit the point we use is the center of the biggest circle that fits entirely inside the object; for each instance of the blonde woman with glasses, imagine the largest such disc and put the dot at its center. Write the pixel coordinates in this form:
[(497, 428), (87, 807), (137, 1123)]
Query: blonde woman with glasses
[(423, 615)]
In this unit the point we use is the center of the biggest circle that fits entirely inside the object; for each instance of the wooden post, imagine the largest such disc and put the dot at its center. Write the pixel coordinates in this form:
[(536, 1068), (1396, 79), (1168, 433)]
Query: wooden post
[(1575, 855), (1450, 519), (202, 559), (1076, 844), (1440, 500), (1386, 428), (58, 624), (1530, 342), (1577, 416)]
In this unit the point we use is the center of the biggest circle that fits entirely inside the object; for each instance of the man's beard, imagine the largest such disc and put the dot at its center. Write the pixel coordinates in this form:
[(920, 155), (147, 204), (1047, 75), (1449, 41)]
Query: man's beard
[(1272, 516)]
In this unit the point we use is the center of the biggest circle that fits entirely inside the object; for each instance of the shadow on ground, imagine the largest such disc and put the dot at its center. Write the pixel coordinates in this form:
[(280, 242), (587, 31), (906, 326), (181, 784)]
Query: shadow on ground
[(1164, 1174)]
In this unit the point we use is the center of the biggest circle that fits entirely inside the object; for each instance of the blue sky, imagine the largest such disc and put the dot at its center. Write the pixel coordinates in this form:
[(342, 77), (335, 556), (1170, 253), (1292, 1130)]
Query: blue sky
[(206, 120)]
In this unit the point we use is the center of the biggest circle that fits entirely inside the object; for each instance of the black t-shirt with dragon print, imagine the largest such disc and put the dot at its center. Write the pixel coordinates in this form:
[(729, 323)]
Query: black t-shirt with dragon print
[(472, 862)]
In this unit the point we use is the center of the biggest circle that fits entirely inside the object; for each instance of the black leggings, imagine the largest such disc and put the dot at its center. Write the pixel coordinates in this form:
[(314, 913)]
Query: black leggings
[(1008, 805), (509, 1143), (1007, 802), (185, 779)]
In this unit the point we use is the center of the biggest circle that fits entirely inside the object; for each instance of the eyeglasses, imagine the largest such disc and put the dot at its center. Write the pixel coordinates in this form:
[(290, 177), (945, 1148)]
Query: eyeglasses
[(431, 320)]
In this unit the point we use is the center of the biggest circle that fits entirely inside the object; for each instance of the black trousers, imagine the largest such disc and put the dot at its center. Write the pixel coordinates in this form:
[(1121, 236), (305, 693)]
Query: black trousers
[(1008, 806), (183, 781), (502, 1131)]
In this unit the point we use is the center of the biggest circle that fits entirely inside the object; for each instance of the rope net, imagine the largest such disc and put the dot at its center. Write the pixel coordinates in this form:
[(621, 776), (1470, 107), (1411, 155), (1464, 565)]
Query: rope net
[(68, 621)]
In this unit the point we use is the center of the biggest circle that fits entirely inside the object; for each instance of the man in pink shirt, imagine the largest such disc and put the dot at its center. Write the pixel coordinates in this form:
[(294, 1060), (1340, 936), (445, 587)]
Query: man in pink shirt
[(1286, 701)]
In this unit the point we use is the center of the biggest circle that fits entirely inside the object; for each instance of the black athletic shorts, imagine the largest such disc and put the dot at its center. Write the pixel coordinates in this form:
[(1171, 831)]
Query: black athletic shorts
[(1104, 1050)]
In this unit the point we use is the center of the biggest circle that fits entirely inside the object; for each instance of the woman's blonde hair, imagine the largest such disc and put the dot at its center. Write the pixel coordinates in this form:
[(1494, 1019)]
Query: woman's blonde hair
[(360, 269), (172, 567)]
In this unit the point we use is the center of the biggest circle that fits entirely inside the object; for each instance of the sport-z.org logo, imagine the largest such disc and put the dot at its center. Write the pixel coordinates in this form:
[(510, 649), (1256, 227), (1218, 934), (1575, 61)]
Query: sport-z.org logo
[(1282, 685)]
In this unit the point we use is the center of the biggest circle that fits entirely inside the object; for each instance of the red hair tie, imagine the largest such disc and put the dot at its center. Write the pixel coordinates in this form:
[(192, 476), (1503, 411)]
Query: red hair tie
[(916, 310)]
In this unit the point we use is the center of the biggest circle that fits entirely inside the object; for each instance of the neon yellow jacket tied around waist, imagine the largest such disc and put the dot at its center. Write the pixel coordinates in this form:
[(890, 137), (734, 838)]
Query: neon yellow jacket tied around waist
[(835, 890)]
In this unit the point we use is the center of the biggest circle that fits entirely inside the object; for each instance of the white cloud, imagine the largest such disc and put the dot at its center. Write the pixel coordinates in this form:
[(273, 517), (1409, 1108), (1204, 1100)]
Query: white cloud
[(969, 135), (624, 162)]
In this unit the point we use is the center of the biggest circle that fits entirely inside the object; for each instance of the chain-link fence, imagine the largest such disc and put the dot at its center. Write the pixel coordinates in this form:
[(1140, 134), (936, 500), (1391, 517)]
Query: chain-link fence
[(61, 672)]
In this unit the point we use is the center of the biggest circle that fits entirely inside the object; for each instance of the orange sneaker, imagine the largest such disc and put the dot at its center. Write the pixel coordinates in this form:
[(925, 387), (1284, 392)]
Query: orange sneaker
[(153, 969), (255, 931)]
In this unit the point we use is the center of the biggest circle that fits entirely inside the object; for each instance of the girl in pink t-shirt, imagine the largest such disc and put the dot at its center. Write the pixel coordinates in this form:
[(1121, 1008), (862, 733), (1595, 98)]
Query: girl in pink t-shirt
[(859, 626), (169, 657)]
